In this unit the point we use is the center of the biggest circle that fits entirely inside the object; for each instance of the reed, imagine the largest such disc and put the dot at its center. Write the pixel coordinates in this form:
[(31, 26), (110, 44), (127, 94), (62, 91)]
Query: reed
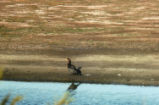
[(5, 100), (65, 100), (16, 99), (1, 73)]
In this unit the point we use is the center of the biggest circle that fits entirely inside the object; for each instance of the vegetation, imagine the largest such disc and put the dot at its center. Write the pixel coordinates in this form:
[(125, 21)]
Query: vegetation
[(65, 100), (107, 27), (1, 73), (13, 102)]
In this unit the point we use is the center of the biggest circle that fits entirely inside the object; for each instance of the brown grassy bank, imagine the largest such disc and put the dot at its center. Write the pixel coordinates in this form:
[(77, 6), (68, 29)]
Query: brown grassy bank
[(83, 27)]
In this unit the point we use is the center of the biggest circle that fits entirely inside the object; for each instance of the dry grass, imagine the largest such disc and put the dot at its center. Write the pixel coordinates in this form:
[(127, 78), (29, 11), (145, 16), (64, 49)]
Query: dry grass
[(51, 22)]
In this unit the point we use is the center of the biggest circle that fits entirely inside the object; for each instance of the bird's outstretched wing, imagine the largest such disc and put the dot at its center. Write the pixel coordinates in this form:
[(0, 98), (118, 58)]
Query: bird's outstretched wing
[(79, 68), (73, 67)]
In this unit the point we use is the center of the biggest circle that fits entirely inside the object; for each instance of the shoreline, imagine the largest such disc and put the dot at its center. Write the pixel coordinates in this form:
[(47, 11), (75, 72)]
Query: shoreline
[(139, 70), (13, 75), (146, 85)]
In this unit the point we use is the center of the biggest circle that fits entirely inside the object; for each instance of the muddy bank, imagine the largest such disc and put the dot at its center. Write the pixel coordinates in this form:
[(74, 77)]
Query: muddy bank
[(108, 69), (109, 77)]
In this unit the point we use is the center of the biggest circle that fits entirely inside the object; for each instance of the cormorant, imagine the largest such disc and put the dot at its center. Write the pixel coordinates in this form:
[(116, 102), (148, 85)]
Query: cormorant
[(73, 68)]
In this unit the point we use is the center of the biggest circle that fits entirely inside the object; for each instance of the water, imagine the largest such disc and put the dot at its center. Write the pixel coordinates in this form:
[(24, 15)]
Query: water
[(42, 93)]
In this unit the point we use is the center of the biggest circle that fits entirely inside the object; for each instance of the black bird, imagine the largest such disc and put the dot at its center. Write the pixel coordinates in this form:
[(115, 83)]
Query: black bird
[(70, 67)]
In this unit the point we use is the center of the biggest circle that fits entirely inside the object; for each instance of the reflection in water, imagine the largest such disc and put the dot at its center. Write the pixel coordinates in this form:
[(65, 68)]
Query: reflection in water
[(73, 86), (68, 95)]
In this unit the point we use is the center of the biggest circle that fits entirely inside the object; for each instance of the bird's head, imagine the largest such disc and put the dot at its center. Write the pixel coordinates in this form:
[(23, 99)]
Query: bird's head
[(68, 59)]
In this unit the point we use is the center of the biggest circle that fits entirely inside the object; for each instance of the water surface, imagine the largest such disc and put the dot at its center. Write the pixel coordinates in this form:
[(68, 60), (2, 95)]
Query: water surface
[(42, 93)]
